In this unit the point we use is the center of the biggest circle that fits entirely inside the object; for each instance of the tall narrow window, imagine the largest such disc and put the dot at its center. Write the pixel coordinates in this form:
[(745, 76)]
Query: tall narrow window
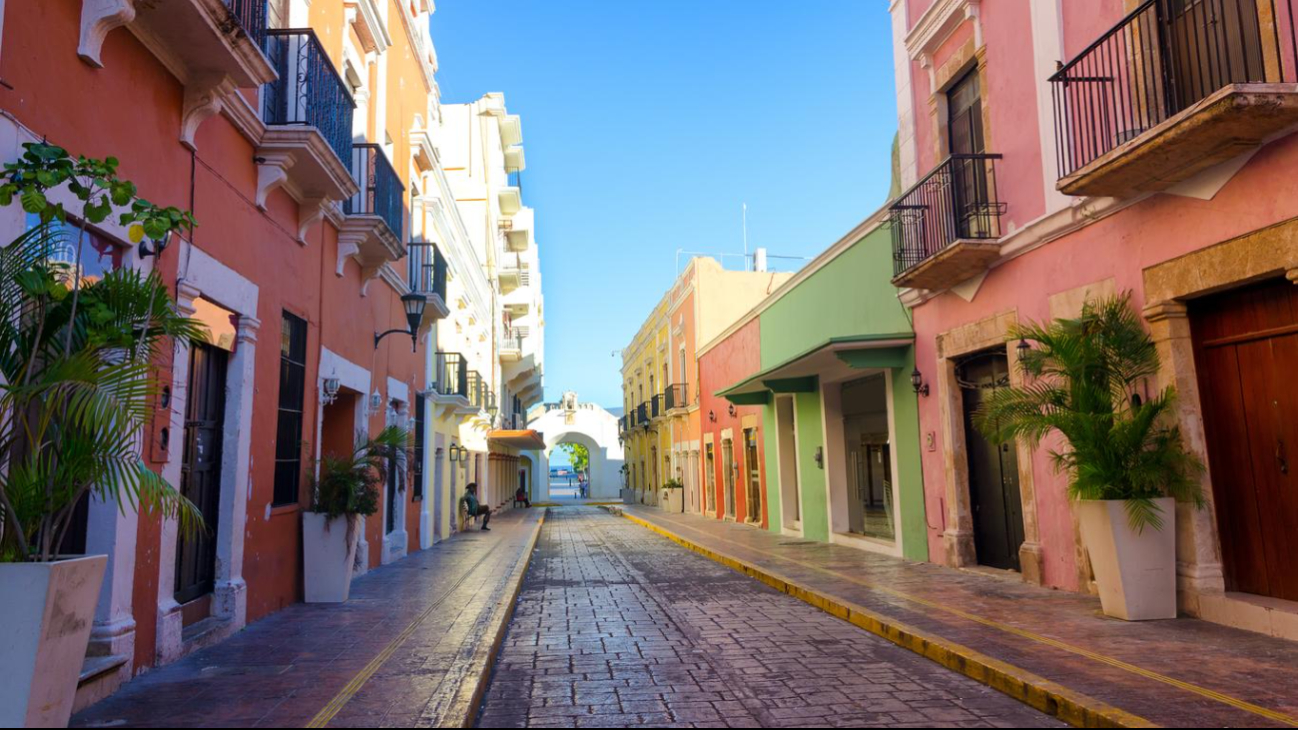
[(417, 489), (292, 392), (710, 479)]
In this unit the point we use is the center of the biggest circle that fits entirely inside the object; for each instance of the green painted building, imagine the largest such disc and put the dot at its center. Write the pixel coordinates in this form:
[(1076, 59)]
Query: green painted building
[(840, 423)]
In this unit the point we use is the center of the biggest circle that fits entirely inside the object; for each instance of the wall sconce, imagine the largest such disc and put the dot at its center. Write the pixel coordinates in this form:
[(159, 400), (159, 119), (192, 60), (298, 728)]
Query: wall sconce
[(154, 247), (330, 390), (820, 458), (376, 402), (917, 382), (732, 410), (1023, 347), (712, 416), (455, 453), (414, 305)]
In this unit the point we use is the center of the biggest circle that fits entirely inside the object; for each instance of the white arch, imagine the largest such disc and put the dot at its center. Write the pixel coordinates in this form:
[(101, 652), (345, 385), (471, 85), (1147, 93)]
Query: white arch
[(586, 424)]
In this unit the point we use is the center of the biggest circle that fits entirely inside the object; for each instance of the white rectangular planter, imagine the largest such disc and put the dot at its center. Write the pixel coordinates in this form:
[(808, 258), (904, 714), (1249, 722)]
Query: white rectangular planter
[(1135, 571), (46, 614), (328, 555), (672, 500)]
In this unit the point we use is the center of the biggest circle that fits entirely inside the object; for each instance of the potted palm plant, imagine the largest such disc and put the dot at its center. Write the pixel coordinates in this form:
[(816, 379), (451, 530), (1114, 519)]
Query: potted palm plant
[(345, 492), (76, 390), (1123, 454)]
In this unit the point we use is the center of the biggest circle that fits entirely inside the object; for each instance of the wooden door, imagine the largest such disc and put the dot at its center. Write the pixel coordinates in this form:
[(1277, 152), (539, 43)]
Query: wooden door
[(1246, 349), (754, 507), (728, 470), (200, 471), (993, 470)]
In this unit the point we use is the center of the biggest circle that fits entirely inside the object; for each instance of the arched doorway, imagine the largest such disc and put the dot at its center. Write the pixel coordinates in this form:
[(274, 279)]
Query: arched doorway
[(590, 426)]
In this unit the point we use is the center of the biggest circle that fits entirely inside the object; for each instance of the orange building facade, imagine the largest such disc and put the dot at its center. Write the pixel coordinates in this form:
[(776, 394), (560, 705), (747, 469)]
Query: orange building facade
[(288, 129)]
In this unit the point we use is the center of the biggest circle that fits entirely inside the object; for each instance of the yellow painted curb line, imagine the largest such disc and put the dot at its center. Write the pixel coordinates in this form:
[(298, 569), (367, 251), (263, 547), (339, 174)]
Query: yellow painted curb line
[(1072, 707), (468, 715)]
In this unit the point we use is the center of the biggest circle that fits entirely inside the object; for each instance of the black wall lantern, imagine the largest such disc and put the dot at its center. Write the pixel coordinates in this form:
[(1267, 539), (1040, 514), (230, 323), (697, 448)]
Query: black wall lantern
[(414, 305), (1023, 348), (917, 382)]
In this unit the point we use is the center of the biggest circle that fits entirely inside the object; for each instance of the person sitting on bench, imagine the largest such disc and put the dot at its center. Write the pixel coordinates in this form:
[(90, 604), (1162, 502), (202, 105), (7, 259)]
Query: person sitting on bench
[(473, 508), (520, 497)]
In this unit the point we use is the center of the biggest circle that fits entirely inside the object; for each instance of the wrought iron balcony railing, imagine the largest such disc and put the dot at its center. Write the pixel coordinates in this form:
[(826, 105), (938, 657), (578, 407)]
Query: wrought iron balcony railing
[(656, 405), (676, 396), (477, 390), (956, 201), (1158, 61), (381, 192), (309, 90), (249, 15), (452, 376), (642, 415), (427, 268)]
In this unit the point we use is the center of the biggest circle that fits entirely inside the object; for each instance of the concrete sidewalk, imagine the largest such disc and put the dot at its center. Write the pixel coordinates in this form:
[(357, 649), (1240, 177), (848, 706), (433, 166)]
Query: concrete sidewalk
[(412, 647), (1052, 649)]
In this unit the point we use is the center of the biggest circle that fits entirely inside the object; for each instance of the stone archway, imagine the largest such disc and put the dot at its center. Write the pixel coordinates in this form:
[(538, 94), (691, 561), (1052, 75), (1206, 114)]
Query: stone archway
[(586, 424)]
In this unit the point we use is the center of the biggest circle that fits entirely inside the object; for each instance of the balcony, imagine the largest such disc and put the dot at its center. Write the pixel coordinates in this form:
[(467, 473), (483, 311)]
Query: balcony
[(375, 214), (511, 343), (307, 146), (212, 46), (477, 391), (676, 397), (427, 269), (514, 277), (511, 201), (642, 415), (946, 228), (1174, 88), (656, 409), (518, 239), (451, 377)]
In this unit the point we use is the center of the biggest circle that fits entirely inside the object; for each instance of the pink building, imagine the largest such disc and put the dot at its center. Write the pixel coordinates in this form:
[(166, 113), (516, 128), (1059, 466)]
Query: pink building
[(1051, 152)]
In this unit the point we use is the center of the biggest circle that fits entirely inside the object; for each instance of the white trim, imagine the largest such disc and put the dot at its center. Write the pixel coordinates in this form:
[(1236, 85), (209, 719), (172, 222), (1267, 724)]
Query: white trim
[(398, 390), (202, 275), (1047, 51)]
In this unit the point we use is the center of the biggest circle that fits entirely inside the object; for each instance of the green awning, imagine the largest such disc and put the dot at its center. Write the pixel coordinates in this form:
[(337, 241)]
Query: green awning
[(831, 360)]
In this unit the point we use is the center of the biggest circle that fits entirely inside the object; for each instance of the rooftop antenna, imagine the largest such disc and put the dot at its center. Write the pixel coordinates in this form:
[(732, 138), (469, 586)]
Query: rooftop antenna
[(745, 236)]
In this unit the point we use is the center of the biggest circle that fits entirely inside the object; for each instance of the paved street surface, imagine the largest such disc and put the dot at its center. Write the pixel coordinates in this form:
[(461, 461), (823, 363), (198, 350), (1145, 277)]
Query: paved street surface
[(617, 626), (1181, 673), (406, 651)]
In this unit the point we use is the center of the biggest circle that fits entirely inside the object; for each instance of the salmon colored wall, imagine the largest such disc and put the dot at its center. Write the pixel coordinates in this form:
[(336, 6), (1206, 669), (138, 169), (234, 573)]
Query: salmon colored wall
[(1120, 246), (731, 361), (131, 110)]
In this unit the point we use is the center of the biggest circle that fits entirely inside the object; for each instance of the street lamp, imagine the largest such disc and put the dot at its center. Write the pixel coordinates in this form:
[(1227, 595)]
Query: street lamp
[(414, 305)]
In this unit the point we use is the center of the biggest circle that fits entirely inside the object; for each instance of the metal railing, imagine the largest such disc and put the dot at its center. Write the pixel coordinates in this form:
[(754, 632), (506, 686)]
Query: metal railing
[(511, 338), (477, 390), (956, 201), (1158, 61), (656, 405), (250, 17), (642, 415), (427, 268), (381, 192), (309, 90), (452, 376), (676, 396)]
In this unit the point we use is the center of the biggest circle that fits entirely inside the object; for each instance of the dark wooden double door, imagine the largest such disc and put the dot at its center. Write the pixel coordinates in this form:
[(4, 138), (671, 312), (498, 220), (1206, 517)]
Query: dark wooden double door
[(994, 496), (1246, 351), (200, 475)]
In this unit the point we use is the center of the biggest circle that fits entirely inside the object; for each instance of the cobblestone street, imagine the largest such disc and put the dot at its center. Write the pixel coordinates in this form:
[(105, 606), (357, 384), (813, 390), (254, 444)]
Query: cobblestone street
[(619, 627)]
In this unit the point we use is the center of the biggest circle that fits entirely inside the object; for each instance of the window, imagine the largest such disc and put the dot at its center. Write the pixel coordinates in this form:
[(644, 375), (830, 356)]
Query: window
[(292, 392), (100, 254), (417, 490), (710, 479)]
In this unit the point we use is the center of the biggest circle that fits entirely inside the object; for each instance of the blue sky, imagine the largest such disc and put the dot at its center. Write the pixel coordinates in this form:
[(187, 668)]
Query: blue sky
[(647, 125)]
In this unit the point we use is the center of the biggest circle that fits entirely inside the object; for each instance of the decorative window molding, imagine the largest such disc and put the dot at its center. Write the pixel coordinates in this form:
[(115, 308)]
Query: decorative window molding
[(938, 23)]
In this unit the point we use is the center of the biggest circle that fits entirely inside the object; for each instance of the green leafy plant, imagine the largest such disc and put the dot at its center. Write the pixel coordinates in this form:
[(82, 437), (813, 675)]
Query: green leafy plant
[(578, 456), (76, 357), (351, 484), (673, 484), (1084, 382)]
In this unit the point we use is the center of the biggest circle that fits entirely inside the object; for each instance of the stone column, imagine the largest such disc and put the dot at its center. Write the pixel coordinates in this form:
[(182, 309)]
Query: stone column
[(230, 599), (1198, 558)]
